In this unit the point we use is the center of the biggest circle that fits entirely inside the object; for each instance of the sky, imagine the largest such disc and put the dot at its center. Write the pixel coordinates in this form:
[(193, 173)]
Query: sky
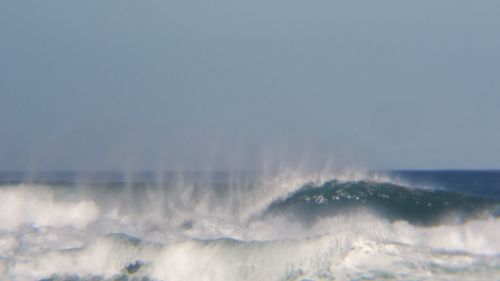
[(96, 85)]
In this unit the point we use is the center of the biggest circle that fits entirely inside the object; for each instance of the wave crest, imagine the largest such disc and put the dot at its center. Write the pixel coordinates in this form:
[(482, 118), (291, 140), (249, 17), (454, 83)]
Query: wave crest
[(389, 200)]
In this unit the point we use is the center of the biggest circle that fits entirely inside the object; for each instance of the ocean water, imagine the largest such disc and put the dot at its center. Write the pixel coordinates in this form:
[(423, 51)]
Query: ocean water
[(287, 225)]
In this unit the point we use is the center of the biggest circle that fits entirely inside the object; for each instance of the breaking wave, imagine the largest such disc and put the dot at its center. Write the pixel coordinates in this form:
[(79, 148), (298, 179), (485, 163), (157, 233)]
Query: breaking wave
[(393, 201), (288, 227)]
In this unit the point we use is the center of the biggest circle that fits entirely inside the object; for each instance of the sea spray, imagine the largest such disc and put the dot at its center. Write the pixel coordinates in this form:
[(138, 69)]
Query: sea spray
[(291, 226)]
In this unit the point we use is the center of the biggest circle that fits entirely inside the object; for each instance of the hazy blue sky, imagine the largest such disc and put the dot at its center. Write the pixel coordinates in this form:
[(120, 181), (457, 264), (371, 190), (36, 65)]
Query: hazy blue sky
[(197, 84)]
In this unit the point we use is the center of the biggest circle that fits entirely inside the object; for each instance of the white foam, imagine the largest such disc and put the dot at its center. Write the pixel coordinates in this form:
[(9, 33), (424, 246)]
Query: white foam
[(476, 237), (351, 252), (38, 225), (36, 205)]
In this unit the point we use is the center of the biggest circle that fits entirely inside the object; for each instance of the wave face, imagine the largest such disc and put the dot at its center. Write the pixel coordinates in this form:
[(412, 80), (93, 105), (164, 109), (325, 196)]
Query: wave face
[(389, 200), (287, 226)]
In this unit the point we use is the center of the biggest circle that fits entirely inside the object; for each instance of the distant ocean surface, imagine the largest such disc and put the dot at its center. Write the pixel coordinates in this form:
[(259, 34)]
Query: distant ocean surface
[(287, 225)]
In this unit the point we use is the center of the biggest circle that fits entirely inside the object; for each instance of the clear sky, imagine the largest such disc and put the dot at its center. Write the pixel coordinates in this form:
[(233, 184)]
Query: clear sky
[(201, 84)]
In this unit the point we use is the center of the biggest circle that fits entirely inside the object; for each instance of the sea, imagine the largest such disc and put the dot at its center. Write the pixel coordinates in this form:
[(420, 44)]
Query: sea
[(262, 226)]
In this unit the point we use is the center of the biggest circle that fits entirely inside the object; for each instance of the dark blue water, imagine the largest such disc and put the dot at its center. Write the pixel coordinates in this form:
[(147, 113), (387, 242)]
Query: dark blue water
[(485, 183), (482, 183)]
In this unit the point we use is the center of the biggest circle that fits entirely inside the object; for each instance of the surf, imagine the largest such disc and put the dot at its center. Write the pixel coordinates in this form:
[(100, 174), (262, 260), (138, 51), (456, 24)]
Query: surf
[(290, 226)]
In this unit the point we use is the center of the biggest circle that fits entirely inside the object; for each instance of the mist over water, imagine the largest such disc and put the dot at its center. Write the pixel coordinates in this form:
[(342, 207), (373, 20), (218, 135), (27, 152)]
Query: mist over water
[(227, 140), (285, 225)]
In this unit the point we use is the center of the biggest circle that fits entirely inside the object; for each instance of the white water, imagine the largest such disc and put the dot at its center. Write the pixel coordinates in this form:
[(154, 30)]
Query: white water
[(47, 231)]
